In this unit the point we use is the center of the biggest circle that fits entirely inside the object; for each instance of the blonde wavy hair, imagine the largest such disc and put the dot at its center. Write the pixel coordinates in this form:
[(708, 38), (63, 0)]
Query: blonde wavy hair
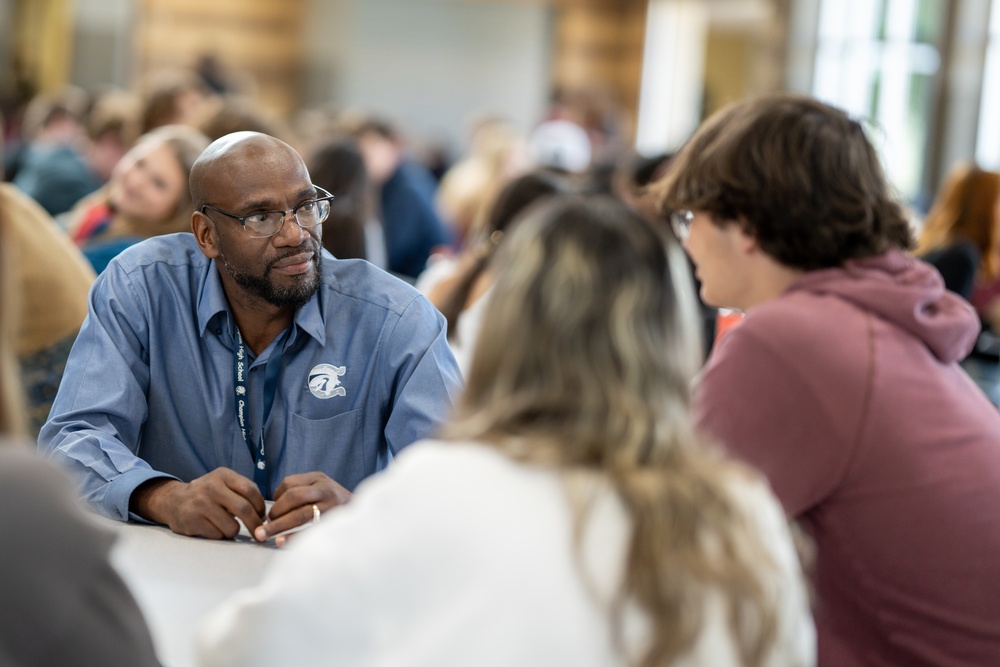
[(584, 362)]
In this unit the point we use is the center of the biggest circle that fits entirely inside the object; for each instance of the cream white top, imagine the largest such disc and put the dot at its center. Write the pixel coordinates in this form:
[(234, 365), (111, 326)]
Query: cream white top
[(457, 555)]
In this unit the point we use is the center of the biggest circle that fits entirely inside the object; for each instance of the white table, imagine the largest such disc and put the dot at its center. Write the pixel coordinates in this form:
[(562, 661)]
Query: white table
[(177, 580)]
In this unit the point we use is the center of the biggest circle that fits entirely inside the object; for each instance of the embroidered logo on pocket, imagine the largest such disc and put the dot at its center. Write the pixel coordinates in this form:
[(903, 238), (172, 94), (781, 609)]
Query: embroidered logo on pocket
[(324, 381)]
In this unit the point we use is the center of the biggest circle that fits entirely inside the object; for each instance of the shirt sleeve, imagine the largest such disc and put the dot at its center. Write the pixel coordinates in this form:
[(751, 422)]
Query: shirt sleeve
[(99, 411), (424, 376), (784, 418)]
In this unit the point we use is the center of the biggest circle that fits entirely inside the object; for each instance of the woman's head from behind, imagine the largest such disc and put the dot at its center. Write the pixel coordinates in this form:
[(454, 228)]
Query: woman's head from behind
[(966, 207), (517, 195), (584, 361), (149, 186), (589, 337)]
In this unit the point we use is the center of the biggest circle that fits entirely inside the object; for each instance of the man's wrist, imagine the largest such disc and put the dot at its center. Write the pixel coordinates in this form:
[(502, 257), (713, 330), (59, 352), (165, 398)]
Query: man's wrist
[(148, 498)]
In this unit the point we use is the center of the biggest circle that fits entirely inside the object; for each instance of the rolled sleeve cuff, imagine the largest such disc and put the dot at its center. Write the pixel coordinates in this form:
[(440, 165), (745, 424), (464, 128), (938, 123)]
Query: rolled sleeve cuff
[(115, 504)]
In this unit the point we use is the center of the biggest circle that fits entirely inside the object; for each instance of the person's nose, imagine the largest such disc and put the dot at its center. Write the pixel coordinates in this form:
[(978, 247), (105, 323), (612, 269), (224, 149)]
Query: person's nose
[(130, 178), (291, 233)]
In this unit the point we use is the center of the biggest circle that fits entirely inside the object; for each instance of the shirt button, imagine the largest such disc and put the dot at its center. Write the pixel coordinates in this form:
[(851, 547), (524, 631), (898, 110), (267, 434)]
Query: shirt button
[(218, 332)]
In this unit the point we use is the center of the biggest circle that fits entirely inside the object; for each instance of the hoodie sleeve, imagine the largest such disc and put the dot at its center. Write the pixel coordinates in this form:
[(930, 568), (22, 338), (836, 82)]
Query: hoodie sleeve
[(786, 400)]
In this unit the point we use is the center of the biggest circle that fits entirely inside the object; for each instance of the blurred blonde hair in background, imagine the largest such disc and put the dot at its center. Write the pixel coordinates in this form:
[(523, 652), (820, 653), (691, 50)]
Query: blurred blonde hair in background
[(12, 411)]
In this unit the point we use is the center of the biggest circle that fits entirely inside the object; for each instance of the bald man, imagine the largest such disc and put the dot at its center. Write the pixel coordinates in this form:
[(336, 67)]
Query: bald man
[(243, 363)]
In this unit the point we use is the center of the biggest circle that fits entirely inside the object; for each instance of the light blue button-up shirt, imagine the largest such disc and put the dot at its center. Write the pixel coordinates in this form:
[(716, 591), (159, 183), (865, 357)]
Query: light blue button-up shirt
[(149, 388)]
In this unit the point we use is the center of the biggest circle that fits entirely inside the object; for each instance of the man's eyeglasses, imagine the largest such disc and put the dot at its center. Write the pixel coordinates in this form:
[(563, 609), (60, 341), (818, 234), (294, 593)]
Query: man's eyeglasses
[(268, 223), (681, 222)]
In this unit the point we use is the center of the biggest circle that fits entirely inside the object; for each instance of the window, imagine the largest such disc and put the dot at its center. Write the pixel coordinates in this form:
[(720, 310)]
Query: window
[(988, 137), (877, 59)]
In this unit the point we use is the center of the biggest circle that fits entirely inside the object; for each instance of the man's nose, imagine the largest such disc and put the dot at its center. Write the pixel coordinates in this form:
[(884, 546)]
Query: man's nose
[(291, 233)]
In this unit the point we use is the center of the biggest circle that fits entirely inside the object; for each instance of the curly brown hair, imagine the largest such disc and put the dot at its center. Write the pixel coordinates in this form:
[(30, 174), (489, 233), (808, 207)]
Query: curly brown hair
[(798, 175)]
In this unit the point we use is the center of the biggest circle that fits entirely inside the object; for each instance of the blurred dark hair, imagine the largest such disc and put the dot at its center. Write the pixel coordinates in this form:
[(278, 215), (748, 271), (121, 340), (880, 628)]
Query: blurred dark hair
[(337, 166), (44, 109), (114, 113), (161, 92), (647, 169), (237, 114), (511, 202), (358, 126)]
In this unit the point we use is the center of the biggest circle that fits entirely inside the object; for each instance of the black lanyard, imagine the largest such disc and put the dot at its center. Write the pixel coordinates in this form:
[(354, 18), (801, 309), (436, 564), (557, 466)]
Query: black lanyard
[(240, 371)]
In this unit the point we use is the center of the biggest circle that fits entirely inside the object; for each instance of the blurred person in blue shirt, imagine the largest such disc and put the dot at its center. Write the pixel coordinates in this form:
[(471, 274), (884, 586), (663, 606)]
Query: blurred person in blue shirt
[(243, 363), (413, 230), (54, 169)]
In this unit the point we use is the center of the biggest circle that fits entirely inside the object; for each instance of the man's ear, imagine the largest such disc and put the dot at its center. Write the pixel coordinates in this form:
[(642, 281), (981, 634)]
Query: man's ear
[(204, 232)]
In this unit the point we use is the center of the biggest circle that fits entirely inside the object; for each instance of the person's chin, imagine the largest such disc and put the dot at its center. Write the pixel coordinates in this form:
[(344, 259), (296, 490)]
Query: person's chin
[(708, 298)]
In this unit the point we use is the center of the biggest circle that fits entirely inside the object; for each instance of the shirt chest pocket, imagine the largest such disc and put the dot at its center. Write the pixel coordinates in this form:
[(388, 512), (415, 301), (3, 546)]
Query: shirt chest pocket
[(337, 446)]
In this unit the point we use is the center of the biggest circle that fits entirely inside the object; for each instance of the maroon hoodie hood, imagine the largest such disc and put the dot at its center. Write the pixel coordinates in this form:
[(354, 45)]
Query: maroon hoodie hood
[(906, 292)]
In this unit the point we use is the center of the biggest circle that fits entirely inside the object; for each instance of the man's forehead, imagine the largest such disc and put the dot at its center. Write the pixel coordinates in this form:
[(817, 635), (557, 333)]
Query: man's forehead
[(261, 187), (250, 147), (252, 161)]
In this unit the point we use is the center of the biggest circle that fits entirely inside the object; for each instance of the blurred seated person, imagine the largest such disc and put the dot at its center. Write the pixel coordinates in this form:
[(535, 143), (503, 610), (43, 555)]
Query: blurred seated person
[(561, 145), (461, 294), (171, 96), (633, 176), (220, 116), (842, 383), (569, 514), (961, 238), (406, 198), (63, 602), (54, 170), (241, 363), (112, 128), (147, 196), (497, 153), (959, 235), (52, 279), (214, 75), (353, 230), (49, 280)]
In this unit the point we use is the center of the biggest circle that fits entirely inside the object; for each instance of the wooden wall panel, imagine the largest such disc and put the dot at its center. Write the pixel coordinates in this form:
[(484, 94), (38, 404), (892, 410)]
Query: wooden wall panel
[(261, 38), (598, 52), (43, 40)]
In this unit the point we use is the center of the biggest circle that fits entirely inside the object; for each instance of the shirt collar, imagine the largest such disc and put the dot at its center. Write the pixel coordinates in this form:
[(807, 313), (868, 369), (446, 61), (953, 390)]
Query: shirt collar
[(212, 305), (309, 317), (212, 299)]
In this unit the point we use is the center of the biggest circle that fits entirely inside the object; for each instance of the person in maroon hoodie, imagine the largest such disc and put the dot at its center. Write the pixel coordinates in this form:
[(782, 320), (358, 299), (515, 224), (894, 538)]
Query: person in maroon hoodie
[(841, 384)]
